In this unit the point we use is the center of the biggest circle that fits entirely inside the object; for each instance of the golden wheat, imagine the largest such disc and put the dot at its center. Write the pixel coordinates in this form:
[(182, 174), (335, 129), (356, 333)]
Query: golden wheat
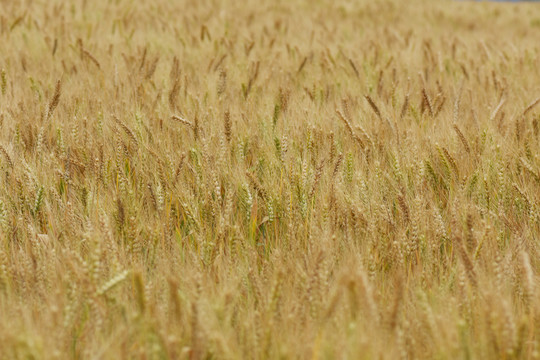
[(226, 180)]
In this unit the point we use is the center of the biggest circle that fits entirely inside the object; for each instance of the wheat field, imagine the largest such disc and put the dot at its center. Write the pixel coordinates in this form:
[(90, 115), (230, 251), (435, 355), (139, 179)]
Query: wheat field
[(269, 180)]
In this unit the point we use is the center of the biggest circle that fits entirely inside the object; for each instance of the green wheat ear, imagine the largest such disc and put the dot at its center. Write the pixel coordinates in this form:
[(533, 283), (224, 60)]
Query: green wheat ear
[(3, 81), (3, 216), (38, 202)]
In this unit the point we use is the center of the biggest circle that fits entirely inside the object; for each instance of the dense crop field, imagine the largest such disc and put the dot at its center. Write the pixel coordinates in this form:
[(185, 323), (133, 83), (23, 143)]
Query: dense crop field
[(287, 179)]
